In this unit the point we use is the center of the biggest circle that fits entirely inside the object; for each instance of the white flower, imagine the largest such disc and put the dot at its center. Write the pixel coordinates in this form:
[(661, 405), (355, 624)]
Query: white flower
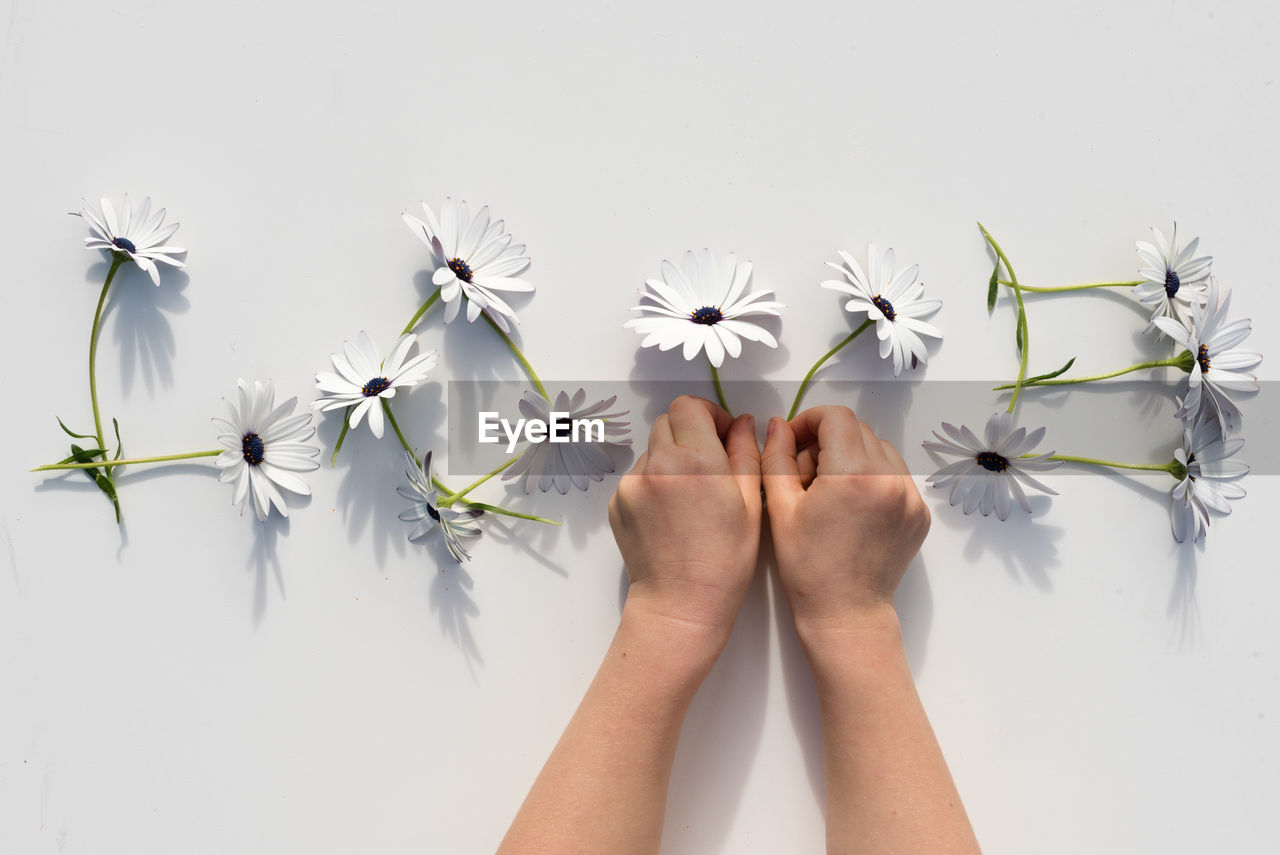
[(137, 235), (700, 304), (265, 447), (1211, 479), (364, 377), (893, 302), (474, 258), (990, 471), (1220, 367), (427, 513), (577, 461), (1173, 280)]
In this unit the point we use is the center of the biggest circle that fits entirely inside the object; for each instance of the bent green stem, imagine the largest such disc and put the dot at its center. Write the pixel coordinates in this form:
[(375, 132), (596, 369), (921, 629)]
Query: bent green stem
[(715, 379), (116, 261), (484, 506), (109, 464), (342, 436), (1024, 343), (386, 407), (804, 384), (1172, 362), (453, 497), (1172, 467), (422, 310), (528, 369), (1057, 289)]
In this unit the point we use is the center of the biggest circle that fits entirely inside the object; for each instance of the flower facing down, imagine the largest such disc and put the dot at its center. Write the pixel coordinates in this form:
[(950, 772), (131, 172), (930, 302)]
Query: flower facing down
[(364, 377), (426, 512), (580, 459), (1173, 279), (1210, 479), (893, 302), (700, 305), (474, 258), (990, 473), (133, 234), (266, 446), (1220, 367)]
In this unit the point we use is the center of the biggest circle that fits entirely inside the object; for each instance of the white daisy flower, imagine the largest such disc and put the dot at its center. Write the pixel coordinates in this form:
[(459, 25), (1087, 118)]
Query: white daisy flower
[(893, 302), (579, 460), (135, 234), (1174, 279), (474, 258), (1221, 365), (700, 305), (1210, 481), (426, 512), (364, 377), (992, 471), (265, 447)]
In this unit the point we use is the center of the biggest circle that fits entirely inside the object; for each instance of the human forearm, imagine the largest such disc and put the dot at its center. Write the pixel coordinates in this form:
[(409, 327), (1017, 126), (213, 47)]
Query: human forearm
[(888, 787), (604, 787)]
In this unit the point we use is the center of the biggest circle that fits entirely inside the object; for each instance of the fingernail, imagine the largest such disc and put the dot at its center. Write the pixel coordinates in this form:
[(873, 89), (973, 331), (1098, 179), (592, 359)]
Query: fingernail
[(751, 423), (772, 425)]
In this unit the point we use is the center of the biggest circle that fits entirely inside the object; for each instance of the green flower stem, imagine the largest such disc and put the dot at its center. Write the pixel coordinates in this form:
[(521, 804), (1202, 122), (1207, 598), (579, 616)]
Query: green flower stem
[(804, 384), (342, 436), (1172, 362), (490, 508), (1057, 289), (422, 310), (453, 497), (715, 378), (116, 261), (494, 509), (108, 464), (386, 407), (1173, 467), (528, 369), (1023, 336)]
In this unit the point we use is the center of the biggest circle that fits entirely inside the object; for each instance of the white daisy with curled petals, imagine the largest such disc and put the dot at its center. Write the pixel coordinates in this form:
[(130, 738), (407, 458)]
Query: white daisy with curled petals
[(990, 474), (580, 456), (474, 258), (1173, 279), (266, 446), (135, 234), (892, 301), (1220, 366), (1210, 480), (364, 378), (427, 513), (701, 305)]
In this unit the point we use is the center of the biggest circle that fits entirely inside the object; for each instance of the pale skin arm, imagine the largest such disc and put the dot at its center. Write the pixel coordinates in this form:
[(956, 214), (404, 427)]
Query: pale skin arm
[(687, 521), (888, 787)]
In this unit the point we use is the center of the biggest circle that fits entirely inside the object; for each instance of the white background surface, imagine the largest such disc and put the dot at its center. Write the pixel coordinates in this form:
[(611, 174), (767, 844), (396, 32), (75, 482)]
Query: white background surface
[(197, 682)]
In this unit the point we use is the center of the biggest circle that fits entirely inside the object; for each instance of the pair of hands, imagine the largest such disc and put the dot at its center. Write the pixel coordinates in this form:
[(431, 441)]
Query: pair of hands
[(844, 515)]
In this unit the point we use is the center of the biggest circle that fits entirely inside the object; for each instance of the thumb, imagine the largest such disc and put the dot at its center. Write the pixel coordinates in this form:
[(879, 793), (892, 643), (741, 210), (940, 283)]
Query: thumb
[(778, 465), (744, 458)]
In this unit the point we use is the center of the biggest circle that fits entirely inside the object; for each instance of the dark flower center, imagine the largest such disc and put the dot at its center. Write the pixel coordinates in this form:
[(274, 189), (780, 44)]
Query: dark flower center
[(708, 315), (432, 512), (1203, 358), (252, 448), (884, 306), (460, 269), (125, 244), (376, 386), (991, 461), (1171, 283)]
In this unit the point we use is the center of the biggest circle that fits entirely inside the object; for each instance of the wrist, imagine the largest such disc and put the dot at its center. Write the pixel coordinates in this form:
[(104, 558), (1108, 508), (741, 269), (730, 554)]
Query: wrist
[(857, 637), (686, 648)]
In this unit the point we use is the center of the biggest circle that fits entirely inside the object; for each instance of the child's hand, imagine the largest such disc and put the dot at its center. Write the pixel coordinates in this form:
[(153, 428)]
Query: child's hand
[(845, 533), (687, 516)]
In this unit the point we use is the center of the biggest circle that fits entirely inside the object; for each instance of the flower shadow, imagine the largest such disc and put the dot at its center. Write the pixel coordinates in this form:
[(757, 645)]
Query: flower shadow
[(140, 325), (1023, 544), (451, 602), (1183, 609), (264, 563)]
